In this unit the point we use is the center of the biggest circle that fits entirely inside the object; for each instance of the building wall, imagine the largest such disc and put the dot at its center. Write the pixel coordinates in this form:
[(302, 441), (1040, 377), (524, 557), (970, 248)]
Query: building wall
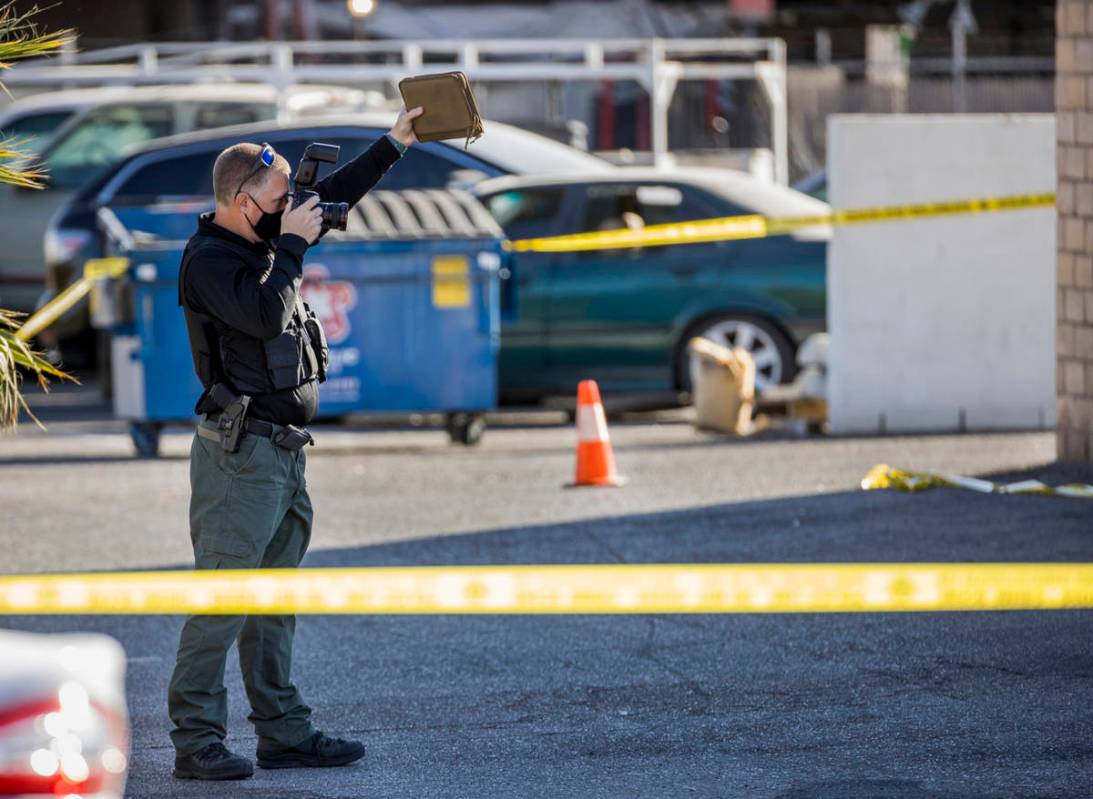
[(1074, 277), (941, 323)]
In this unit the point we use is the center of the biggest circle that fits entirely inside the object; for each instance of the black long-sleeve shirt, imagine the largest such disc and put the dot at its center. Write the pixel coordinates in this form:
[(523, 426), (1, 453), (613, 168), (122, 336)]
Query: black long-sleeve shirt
[(248, 290)]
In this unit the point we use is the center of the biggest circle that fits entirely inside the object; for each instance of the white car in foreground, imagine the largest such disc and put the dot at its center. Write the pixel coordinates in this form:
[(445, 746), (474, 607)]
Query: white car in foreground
[(64, 728)]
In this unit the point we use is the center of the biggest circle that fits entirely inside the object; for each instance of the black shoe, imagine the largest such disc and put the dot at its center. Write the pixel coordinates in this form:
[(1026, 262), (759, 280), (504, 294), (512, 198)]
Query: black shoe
[(214, 762), (315, 752)]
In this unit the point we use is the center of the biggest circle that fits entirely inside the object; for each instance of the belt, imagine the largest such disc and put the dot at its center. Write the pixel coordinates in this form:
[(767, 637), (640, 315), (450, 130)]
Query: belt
[(255, 426)]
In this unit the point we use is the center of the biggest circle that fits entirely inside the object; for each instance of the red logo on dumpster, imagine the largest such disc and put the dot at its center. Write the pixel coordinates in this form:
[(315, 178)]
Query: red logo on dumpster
[(331, 300)]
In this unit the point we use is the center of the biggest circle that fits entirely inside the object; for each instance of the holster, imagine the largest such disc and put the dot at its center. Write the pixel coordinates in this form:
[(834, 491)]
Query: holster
[(292, 437), (233, 415)]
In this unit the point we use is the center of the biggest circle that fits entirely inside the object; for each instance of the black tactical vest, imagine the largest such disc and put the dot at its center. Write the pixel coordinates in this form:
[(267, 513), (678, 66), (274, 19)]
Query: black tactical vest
[(246, 364)]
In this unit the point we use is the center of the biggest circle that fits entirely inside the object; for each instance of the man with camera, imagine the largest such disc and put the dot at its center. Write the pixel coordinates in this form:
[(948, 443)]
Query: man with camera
[(260, 353)]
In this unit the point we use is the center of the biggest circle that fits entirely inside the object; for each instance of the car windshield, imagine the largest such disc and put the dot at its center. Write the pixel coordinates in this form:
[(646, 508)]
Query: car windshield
[(527, 212), (33, 131), (101, 138)]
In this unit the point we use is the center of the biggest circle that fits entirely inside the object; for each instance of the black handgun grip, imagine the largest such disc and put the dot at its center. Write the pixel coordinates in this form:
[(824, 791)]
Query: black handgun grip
[(232, 421)]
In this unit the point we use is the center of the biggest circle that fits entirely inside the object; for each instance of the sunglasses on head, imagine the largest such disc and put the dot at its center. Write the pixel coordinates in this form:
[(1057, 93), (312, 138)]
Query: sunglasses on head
[(265, 161)]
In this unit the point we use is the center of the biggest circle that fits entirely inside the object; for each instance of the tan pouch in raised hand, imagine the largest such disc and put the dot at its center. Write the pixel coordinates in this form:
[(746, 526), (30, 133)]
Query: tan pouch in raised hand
[(450, 109)]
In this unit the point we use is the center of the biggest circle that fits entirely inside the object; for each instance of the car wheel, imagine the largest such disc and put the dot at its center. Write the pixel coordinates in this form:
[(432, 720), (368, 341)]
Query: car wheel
[(145, 437), (465, 428), (772, 351)]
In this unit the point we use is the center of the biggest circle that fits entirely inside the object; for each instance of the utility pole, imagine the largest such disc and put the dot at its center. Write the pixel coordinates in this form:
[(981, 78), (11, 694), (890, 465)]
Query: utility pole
[(961, 23)]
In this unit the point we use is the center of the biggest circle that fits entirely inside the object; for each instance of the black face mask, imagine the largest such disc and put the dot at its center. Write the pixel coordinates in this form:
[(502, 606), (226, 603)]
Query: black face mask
[(268, 226)]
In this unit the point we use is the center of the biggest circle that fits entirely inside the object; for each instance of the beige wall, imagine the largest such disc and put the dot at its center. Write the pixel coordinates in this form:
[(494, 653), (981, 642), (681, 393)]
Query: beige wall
[(965, 305), (1074, 292)]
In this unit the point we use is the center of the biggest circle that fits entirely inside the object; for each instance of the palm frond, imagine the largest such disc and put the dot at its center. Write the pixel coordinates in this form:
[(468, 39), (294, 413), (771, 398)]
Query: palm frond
[(21, 38), (23, 172), (16, 356)]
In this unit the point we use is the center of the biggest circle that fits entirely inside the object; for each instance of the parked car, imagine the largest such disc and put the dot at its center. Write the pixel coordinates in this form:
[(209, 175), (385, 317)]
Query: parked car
[(74, 134), (64, 728), (173, 177), (623, 317), (34, 119)]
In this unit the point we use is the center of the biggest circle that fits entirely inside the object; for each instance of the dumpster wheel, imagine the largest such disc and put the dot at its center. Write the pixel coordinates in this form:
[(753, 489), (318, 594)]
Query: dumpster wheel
[(145, 437), (465, 428)]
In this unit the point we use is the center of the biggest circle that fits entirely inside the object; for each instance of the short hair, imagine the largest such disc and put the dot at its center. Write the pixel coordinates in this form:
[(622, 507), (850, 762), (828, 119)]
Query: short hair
[(235, 163)]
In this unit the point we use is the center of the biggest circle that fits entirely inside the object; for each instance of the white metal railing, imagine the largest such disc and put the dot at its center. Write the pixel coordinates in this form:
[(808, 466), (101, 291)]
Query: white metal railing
[(656, 64)]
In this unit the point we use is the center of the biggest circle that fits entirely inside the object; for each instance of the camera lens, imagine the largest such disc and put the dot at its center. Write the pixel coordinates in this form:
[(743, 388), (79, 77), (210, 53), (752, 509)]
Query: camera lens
[(335, 215)]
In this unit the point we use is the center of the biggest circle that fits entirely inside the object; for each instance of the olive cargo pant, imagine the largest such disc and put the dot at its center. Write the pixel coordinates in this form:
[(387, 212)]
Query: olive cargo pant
[(248, 509)]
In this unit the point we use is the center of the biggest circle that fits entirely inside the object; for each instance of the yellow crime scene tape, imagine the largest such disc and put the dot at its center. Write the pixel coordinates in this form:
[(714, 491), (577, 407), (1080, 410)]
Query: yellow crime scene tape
[(884, 476), (558, 589), (757, 227)]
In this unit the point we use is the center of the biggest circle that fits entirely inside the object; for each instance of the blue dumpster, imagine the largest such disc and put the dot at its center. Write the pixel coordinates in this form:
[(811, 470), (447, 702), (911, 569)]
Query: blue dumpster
[(408, 296)]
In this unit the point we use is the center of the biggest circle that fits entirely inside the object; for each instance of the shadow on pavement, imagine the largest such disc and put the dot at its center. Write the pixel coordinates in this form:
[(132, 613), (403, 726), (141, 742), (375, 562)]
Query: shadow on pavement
[(854, 526)]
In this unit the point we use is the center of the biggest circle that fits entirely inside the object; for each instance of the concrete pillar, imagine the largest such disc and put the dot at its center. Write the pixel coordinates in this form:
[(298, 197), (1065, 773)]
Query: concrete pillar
[(1074, 267)]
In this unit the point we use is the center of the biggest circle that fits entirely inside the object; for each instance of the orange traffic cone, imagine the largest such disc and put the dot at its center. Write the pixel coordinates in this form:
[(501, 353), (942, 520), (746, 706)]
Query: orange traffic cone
[(595, 461)]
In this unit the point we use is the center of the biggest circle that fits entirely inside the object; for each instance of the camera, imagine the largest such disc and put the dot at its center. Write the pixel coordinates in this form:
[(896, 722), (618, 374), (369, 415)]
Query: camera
[(335, 215)]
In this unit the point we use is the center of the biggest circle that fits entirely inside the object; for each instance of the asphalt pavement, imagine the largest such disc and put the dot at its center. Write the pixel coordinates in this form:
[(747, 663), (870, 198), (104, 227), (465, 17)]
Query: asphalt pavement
[(786, 706)]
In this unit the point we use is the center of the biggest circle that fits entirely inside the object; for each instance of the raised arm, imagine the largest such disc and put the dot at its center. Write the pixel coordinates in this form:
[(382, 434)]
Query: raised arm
[(353, 180)]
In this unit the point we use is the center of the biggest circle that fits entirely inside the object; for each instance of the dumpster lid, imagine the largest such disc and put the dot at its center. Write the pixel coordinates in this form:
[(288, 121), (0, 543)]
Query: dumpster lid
[(417, 214)]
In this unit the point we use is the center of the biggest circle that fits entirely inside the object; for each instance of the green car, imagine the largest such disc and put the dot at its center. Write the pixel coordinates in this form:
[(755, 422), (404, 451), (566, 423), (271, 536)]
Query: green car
[(623, 317)]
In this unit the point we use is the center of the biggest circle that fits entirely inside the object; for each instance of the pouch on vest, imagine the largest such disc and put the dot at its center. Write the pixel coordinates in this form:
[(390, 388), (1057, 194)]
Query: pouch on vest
[(284, 359), (317, 336)]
